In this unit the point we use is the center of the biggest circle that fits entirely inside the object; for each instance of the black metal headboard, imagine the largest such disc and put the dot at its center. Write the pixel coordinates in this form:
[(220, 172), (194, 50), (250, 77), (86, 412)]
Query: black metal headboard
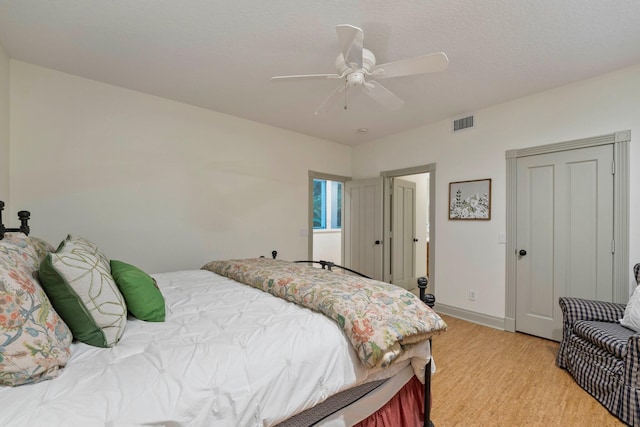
[(24, 222)]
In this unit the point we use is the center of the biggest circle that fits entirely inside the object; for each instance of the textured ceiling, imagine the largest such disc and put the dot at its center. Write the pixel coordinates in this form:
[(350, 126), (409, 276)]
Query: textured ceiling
[(221, 54)]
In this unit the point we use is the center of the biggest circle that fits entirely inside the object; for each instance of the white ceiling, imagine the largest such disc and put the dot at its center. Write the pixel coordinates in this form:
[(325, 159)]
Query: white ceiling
[(221, 54)]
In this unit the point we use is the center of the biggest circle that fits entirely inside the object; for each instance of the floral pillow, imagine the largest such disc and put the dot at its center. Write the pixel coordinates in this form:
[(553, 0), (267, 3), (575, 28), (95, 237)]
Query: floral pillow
[(31, 249), (34, 341)]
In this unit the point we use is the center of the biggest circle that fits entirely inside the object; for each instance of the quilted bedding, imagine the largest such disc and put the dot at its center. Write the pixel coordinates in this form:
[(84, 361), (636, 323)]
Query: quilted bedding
[(227, 355), (381, 320)]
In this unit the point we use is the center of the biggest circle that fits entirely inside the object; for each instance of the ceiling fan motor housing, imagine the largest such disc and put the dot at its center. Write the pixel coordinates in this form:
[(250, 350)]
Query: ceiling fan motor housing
[(355, 76), (368, 62)]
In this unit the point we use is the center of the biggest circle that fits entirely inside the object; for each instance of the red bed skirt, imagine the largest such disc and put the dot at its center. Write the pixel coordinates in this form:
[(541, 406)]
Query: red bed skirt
[(405, 409)]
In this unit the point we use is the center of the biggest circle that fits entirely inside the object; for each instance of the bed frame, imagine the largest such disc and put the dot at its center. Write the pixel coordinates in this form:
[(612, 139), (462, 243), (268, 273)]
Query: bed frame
[(428, 299), (24, 217)]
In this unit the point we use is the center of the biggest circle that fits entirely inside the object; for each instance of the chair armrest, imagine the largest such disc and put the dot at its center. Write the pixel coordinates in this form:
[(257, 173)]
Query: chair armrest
[(632, 362), (574, 309)]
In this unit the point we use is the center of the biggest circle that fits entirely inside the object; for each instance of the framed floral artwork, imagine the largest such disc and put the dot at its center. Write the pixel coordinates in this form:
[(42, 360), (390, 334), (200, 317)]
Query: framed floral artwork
[(470, 200)]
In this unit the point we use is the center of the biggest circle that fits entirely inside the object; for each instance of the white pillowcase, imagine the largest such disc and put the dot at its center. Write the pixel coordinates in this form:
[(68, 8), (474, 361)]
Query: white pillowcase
[(631, 317), (77, 279)]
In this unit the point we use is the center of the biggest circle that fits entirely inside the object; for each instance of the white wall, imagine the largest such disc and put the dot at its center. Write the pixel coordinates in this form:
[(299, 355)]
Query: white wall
[(468, 254), (154, 182), (327, 246), (166, 185), (4, 134)]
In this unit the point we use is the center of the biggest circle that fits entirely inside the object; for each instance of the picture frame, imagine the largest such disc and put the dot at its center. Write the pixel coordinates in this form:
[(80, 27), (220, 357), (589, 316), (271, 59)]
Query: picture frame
[(470, 200)]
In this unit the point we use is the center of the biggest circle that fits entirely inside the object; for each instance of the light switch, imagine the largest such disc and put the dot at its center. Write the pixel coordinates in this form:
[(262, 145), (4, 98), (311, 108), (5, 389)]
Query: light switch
[(502, 237)]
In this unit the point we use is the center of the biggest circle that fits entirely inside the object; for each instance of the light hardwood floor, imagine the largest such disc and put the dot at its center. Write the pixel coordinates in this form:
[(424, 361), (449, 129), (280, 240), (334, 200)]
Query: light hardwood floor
[(487, 377)]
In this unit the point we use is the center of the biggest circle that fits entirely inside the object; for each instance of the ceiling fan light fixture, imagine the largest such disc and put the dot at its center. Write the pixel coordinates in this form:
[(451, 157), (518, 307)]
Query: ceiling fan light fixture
[(355, 79)]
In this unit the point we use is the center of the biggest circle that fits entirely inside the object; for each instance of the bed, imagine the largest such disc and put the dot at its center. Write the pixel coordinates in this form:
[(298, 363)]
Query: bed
[(224, 353)]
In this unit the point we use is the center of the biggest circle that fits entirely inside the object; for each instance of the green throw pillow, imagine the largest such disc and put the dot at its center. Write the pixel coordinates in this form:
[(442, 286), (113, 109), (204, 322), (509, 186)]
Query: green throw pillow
[(144, 299), (79, 284)]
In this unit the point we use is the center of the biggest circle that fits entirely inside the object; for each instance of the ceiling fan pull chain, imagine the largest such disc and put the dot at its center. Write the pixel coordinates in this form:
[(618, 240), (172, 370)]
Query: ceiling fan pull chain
[(345, 94)]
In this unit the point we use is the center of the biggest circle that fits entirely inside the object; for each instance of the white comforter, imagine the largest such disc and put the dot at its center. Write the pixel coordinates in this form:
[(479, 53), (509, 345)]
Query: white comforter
[(227, 355)]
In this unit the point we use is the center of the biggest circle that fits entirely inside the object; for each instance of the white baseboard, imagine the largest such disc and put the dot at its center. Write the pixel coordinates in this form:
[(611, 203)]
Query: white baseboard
[(471, 316)]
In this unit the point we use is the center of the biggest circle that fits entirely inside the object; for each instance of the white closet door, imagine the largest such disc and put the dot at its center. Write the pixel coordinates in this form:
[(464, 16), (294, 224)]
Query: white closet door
[(564, 234)]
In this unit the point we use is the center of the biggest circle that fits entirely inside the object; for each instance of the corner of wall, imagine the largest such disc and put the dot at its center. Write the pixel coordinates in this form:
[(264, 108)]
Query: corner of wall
[(5, 124)]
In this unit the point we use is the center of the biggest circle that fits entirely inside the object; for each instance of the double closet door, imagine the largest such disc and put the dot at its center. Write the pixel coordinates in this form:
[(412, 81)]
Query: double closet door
[(564, 234)]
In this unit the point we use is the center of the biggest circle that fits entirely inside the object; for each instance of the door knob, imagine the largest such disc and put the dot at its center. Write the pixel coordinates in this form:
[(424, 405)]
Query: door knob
[(415, 240), (377, 242), (522, 252)]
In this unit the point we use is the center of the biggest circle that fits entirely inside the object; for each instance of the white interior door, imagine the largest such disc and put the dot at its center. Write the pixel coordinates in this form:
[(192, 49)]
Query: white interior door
[(403, 234), (564, 234), (362, 227)]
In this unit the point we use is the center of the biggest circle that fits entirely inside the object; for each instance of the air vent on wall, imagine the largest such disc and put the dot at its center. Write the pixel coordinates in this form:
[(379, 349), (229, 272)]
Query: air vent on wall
[(463, 123)]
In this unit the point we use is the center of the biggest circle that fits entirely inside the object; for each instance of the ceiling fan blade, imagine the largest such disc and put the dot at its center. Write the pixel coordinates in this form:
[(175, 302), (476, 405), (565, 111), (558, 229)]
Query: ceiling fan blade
[(307, 77), (432, 63), (331, 100), (382, 95), (351, 39)]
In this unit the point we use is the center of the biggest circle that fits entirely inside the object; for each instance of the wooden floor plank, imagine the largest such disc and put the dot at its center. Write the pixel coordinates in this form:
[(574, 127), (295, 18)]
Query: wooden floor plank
[(488, 377)]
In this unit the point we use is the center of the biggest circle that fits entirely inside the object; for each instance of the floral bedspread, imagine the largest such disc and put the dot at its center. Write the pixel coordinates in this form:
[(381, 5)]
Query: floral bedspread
[(379, 319)]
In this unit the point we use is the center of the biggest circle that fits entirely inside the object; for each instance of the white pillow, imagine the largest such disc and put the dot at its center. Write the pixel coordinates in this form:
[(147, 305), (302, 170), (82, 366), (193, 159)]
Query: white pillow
[(77, 279), (631, 317)]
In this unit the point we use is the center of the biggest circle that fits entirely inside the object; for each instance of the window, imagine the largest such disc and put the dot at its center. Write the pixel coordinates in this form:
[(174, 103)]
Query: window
[(319, 203), (327, 205)]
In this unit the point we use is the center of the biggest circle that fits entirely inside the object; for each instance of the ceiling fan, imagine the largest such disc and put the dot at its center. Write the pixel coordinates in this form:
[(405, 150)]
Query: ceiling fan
[(355, 63)]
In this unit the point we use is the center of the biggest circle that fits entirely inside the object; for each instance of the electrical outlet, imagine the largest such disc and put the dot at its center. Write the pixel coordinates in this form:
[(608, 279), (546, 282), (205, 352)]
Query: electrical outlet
[(473, 294)]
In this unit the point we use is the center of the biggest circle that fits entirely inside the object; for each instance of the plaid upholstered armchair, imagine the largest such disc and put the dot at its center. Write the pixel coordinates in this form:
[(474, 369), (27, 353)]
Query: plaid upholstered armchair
[(602, 355)]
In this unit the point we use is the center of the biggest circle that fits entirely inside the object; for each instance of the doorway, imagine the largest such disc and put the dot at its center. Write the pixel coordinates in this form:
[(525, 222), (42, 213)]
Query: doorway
[(367, 225), (326, 216), (408, 229), (555, 167), (409, 249)]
